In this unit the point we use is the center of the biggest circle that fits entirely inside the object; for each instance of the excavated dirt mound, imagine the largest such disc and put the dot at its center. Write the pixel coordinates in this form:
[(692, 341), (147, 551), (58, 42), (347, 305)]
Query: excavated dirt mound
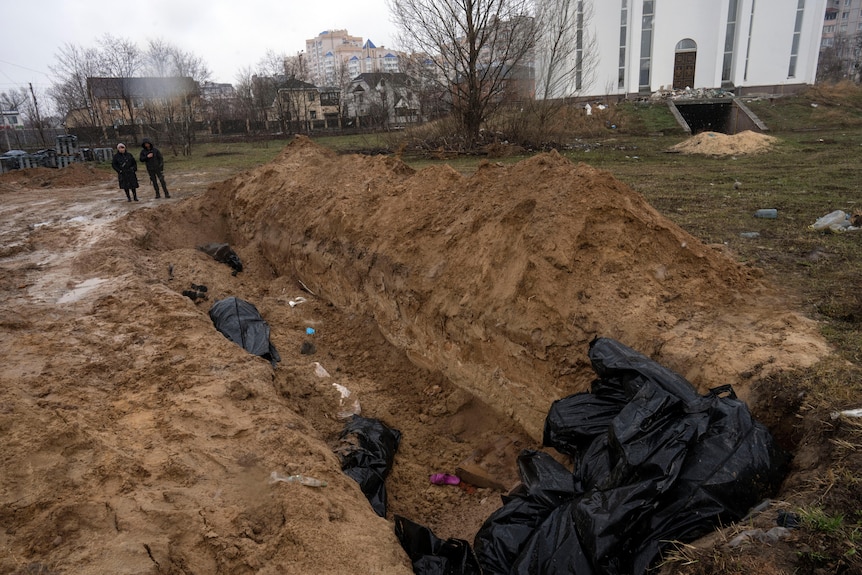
[(74, 175), (718, 144), (137, 439)]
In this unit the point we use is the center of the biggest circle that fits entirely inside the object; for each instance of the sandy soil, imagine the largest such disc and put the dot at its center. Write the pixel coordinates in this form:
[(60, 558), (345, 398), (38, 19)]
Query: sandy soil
[(138, 439), (718, 144)]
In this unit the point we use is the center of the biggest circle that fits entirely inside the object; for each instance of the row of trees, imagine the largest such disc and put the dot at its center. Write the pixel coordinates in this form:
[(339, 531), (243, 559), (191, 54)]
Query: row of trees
[(472, 53), (842, 59)]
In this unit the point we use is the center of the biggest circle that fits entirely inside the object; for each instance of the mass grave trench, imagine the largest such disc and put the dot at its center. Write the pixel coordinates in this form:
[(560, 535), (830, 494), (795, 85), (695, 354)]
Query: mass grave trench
[(499, 280)]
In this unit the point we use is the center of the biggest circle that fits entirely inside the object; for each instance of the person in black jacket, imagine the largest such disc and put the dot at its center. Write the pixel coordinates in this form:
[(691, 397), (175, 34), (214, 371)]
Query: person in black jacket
[(126, 167), (152, 157)]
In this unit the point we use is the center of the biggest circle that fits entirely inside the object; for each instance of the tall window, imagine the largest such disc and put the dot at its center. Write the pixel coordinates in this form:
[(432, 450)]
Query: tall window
[(729, 40), (624, 35), (797, 33), (646, 44), (748, 45)]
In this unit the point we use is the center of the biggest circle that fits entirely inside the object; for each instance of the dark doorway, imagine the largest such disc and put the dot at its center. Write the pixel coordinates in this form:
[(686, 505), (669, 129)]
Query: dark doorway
[(683, 70), (684, 64)]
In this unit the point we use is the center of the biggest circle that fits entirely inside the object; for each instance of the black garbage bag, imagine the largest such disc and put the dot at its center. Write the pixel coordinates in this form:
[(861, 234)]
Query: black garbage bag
[(367, 451), (545, 486), (240, 322), (669, 465), (431, 555), (223, 253)]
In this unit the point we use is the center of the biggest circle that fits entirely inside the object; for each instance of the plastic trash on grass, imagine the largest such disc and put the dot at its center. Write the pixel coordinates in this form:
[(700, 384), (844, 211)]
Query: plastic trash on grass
[(837, 221)]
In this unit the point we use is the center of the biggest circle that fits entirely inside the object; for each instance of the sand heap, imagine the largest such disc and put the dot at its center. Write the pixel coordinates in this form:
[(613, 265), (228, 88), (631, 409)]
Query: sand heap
[(718, 144), (74, 175)]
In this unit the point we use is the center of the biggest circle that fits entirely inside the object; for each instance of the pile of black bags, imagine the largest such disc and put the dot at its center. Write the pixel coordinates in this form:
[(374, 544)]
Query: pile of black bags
[(654, 462)]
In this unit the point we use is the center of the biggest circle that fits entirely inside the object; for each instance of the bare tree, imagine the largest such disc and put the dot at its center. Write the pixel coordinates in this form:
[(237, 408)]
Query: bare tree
[(566, 48), (477, 45), (434, 100), (841, 59), (175, 112), (249, 99), (566, 54), (121, 58), (73, 65)]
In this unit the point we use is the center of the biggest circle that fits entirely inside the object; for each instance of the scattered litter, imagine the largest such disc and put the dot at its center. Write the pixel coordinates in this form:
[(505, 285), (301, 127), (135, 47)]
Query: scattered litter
[(223, 253), (788, 519), (771, 536), (276, 477), (240, 322), (367, 451), (444, 479), (768, 213), (305, 287), (296, 301), (307, 348), (309, 330), (837, 221), (196, 292), (319, 370), (749, 235), (348, 404), (847, 413), (170, 271)]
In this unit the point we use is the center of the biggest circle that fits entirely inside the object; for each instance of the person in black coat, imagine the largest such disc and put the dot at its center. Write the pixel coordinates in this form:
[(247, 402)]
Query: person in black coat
[(152, 157), (126, 167)]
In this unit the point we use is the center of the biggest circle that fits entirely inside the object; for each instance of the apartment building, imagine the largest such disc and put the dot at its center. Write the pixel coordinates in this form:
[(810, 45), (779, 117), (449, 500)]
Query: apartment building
[(334, 57), (841, 43)]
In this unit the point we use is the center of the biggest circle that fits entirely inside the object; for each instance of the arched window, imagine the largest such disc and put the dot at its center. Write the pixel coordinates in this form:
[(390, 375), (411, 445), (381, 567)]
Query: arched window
[(686, 45)]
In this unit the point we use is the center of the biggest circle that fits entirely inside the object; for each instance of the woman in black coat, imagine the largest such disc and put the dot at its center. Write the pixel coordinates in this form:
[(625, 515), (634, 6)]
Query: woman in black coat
[(125, 165)]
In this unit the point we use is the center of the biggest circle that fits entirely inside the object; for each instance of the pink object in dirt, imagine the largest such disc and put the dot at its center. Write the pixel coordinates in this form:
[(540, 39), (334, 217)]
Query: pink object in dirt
[(445, 479)]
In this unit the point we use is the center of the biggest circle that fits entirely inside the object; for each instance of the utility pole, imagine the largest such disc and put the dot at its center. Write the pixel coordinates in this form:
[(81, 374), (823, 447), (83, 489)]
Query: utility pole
[(6, 127), (39, 126)]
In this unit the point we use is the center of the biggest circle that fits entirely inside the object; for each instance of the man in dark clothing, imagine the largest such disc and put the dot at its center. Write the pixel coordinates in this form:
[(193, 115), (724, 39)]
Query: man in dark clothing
[(152, 157)]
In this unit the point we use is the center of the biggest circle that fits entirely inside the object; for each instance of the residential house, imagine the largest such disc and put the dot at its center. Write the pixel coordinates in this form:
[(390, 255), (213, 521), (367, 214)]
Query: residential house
[(302, 107), (141, 101), (382, 99), (636, 47)]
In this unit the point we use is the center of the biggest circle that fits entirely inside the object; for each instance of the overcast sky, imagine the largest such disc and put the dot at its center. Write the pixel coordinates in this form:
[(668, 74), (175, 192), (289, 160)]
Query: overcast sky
[(227, 34)]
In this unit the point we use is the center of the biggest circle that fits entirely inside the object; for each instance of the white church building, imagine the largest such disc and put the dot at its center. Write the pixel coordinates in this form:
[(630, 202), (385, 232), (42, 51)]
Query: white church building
[(636, 47)]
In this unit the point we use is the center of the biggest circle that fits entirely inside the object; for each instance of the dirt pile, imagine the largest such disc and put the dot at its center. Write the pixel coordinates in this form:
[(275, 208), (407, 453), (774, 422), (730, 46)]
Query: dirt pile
[(500, 280), (139, 439), (74, 175), (718, 144)]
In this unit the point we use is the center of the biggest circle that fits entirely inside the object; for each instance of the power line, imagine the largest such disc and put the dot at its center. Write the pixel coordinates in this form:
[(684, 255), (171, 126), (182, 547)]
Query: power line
[(25, 68)]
